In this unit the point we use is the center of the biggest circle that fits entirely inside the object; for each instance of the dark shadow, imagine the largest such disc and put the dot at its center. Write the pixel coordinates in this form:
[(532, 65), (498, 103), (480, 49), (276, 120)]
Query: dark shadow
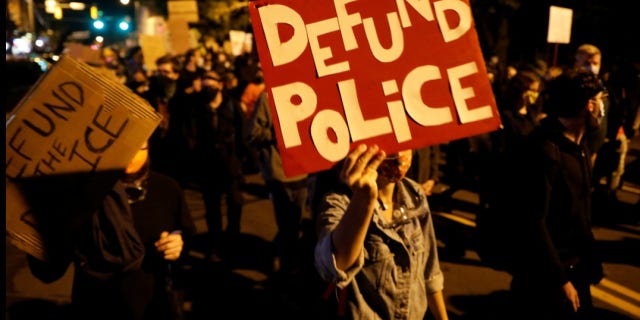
[(220, 288), (497, 306), (62, 198), (609, 315), (223, 287), (455, 237), (494, 306), (622, 251), (38, 309), (256, 189)]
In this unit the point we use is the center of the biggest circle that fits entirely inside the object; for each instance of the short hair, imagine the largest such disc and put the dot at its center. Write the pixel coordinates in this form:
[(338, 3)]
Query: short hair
[(587, 50), (568, 94), (167, 58)]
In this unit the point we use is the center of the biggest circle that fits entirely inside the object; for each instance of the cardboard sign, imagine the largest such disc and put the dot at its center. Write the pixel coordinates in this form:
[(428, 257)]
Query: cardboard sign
[(70, 137), (84, 53), (183, 9), (153, 47), (400, 74), (560, 20)]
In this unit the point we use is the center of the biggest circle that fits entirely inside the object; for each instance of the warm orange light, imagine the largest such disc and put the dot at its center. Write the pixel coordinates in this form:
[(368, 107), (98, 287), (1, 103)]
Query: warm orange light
[(57, 13)]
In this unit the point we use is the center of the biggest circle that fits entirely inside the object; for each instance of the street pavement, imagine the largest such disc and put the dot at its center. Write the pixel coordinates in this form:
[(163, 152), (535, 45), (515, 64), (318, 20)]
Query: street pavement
[(240, 285)]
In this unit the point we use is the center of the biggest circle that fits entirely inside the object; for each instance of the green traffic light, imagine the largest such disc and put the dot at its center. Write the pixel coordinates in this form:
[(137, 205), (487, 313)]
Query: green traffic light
[(123, 25), (98, 24)]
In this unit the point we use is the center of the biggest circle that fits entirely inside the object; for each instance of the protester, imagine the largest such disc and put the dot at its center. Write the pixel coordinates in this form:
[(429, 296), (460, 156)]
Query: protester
[(556, 259), (134, 62), (162, 87), (518, 111), (376, 240), (609, 143), (181, 108), (218, 139), (425, 168), (289, 195), (163, 81), (191, 72), (124, 254), (520, 117), (139, 84), (251, 94), (588, 57)]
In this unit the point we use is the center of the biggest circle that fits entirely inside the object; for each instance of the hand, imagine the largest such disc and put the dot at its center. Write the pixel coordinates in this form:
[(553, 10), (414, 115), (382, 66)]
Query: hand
[(359, 170), (170, 245), (572, 294), (427, 186), (197, 85)]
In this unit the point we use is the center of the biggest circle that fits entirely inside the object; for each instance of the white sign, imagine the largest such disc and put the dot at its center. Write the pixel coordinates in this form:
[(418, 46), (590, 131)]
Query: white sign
[(559, 25)]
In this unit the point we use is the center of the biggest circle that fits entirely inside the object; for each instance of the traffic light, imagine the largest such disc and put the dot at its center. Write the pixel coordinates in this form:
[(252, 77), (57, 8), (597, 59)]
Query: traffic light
[(123, 25), (94, 11), (98, 24)]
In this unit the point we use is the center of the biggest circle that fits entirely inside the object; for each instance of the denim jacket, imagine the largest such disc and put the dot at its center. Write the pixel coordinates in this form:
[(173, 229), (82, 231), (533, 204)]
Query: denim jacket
[(398, 266)]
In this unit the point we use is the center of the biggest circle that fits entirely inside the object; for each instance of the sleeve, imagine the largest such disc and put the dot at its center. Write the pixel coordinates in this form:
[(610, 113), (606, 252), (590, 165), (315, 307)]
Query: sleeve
[(331, 212), (434, 278), (184, 221), (260, 133), (541, 254)]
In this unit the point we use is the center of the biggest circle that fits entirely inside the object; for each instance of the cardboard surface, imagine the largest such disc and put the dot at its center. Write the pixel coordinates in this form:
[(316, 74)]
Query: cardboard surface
[(400, 74), (67, 142)]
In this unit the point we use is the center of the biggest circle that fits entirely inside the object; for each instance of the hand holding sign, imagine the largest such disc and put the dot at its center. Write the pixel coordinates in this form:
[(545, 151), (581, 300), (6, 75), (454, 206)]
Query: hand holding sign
[(67, 143)]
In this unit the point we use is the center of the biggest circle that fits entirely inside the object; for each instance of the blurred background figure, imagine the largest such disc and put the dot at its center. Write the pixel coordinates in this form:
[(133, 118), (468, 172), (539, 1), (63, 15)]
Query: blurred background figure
[(289, 196), (218, 140)]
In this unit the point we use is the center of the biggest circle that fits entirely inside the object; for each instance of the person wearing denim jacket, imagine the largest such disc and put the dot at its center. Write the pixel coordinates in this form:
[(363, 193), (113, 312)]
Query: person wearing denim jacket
[(376, 241)]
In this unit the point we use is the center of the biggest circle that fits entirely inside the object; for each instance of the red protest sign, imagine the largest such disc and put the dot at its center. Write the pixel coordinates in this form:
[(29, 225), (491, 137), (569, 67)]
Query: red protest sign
[(401, 74)]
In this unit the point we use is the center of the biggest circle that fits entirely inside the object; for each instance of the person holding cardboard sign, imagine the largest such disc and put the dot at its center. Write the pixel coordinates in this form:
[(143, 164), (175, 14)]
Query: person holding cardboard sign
[(376, 242), (124, 254)]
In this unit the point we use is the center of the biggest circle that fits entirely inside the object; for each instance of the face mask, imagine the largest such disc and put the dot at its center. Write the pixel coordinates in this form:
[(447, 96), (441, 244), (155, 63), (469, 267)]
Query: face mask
[(135, 177), (395, 167), (211, 93), (135, 183), (592, 68)]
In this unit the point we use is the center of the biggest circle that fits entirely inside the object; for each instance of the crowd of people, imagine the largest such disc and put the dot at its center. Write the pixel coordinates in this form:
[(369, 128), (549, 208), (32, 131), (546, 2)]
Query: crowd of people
[(558, 158)]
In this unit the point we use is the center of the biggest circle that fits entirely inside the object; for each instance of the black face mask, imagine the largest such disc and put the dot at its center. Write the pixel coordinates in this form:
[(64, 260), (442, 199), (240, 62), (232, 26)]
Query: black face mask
[(135, 184), (210, 93), (167, 82)]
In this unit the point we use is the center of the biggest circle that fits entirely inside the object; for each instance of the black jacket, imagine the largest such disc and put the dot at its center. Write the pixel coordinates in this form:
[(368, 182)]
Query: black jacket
[(551, 195)]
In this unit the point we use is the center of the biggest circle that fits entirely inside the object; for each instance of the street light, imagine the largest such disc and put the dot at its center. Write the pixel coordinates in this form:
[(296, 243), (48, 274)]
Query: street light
[(123, 25), (98, 24)]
